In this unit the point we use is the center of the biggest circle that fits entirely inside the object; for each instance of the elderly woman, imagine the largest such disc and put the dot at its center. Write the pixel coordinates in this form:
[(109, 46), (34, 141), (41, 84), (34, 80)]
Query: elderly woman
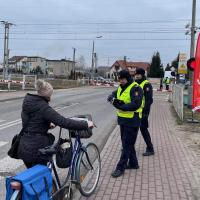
[(37, 118)]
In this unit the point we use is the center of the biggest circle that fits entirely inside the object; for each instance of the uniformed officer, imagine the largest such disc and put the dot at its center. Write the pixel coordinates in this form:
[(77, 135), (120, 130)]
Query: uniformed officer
[(167, 83), (127, 99), (140, 78)]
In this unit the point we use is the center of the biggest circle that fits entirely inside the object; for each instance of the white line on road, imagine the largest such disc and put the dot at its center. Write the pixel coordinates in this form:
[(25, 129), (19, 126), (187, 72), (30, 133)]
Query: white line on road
[(18, 121), (2, 143), (74, 104), (9, 125), (10, 122)]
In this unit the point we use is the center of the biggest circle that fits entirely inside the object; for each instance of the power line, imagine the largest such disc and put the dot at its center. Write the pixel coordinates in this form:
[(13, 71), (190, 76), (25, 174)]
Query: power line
[(106, 22), (111, 39), (89, 33)]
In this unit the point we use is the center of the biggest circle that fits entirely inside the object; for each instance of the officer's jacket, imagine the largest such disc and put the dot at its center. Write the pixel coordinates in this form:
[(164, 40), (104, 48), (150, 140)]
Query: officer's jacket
[(136, 95)]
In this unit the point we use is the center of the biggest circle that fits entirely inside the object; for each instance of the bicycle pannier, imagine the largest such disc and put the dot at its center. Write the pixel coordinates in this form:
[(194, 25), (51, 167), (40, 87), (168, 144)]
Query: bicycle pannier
[(64, 154), (36, 183)]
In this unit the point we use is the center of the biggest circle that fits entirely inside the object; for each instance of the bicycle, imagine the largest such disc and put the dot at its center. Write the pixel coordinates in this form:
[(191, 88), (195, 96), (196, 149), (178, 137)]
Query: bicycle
[(84, 169)]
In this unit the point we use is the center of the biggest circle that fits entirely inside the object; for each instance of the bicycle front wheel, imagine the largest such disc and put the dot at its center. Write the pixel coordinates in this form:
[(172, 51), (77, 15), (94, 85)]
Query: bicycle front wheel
[(88, 169)]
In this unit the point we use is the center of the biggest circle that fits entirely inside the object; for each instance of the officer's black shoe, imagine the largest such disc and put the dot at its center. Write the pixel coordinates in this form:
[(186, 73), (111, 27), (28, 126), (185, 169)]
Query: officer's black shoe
[(132, 167), (148, 153), (117, 173)]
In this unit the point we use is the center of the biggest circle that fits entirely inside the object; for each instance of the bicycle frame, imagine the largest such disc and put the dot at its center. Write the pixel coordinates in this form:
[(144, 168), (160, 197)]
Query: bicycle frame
[(71, 176)]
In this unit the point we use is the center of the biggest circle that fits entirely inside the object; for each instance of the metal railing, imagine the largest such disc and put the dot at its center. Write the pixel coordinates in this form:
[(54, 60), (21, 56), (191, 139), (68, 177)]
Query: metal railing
[(177, 99)]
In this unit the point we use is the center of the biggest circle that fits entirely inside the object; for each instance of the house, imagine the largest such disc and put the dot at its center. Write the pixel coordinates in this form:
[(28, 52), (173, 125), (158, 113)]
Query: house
[(131, 66), (17, 63), (27, 64), (36, 63), (60, 68)]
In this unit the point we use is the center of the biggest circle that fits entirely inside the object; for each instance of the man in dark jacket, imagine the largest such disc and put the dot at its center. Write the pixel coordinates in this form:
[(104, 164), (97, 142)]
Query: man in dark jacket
[(37, 116), (128, 100), (140, 78)]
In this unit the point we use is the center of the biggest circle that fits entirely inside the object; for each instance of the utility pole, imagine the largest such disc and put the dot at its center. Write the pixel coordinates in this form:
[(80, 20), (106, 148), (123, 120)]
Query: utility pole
[(192, 48), (95, 61), (92, 65), (6, 50), (93, 56), (74, 56)]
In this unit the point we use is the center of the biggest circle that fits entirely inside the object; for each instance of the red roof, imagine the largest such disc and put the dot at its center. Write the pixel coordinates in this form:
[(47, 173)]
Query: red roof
[(124, 64)]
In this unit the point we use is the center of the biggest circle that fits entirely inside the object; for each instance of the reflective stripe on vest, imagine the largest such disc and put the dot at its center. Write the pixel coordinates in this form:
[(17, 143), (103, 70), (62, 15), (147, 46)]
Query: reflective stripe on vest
[(126, 98), (143, 83), (167, 81)]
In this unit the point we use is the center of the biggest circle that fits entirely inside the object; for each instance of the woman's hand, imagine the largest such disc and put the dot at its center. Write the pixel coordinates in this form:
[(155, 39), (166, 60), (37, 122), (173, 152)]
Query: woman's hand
[(90, 124), (52, 125)]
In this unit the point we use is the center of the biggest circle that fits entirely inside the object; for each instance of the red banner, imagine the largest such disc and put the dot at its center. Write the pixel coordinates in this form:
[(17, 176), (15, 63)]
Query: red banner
[(194, 63)]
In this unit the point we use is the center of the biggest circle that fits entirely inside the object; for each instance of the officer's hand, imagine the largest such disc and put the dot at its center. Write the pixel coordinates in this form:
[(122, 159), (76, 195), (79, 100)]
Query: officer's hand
[(116, 103), (110, 98)]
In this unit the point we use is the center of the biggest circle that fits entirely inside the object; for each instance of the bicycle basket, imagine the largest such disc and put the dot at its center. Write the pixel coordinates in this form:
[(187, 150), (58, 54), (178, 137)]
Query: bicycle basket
[(64, 153), (82, 133)]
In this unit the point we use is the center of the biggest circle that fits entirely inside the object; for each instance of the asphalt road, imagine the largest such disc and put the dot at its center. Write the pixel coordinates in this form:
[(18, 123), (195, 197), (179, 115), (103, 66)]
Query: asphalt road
[(68, 102)]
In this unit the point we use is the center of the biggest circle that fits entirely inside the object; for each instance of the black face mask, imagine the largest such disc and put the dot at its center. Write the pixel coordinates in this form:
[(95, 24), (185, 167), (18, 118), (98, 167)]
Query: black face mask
[(139, 81)]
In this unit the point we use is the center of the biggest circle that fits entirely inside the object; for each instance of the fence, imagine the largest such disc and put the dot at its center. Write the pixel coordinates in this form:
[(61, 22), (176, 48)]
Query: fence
[(28, 82), (177, 99)]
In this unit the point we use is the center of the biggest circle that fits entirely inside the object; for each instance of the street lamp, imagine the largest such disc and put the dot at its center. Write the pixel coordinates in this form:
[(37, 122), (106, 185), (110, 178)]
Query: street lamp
[(93, 55)]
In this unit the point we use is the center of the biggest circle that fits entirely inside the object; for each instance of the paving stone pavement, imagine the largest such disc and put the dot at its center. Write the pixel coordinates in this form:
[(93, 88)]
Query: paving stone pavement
[(167, 175)]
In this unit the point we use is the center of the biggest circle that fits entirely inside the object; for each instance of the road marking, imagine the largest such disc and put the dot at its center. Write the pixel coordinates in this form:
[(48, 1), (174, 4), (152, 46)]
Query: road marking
[(2, 143), (18, 121), (8, 164), (61, 108), (10, 122)]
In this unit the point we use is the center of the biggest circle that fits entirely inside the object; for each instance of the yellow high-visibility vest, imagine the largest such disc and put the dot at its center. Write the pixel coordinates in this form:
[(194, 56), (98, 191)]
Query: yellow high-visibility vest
[(167, 81), (126, 98), (142, 86)]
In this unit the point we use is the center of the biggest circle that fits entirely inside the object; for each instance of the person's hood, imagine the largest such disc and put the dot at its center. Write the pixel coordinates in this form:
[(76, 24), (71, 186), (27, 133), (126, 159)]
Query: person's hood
[(33, 103)]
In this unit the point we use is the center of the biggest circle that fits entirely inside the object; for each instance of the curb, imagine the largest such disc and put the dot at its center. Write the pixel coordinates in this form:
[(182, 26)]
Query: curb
[(77, 194), (10, 99)]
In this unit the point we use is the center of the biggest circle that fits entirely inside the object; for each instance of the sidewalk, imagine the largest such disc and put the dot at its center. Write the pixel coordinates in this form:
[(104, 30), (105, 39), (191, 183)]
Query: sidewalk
[(6, 96), (167, 175)]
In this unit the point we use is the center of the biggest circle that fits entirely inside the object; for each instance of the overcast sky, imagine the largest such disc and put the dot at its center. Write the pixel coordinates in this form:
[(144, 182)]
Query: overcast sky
[(132, 28)]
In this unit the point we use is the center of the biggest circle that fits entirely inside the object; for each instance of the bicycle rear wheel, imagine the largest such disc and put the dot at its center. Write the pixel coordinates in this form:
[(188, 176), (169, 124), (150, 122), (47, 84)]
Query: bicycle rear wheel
[(88, 170)]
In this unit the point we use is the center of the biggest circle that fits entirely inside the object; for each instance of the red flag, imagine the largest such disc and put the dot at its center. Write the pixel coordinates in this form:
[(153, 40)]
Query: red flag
[(194, 64)]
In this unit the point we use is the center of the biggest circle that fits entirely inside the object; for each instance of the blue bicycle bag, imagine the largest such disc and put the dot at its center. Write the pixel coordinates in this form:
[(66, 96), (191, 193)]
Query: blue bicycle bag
[(36, 183)]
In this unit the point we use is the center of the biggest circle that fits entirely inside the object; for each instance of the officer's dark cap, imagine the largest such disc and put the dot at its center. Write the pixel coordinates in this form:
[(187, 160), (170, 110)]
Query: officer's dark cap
[(140, 71)]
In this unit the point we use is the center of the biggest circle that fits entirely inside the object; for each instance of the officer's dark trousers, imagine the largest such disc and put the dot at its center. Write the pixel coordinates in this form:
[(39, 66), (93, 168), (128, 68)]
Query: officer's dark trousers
[(145, 133), (128, 137)]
